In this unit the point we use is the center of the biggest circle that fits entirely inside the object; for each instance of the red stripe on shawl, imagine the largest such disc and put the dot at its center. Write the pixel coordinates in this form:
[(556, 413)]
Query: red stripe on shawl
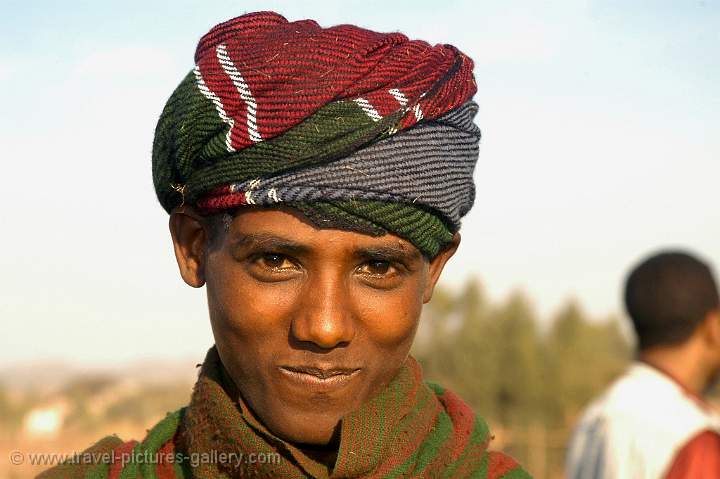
[(419, 434), (500, 464), (165, 468), (117, 465), (463, 419), (413, 443)]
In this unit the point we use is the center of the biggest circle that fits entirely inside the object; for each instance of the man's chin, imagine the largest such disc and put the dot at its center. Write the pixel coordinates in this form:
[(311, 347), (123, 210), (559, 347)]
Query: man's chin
[(320, 429)]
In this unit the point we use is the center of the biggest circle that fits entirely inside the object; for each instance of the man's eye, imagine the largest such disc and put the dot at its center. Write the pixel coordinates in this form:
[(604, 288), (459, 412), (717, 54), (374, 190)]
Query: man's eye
[(377, 267), (275, 261)]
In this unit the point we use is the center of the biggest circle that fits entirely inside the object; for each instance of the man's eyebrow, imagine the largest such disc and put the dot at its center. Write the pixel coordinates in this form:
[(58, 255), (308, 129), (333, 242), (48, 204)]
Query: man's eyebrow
[(271, 242), (388, 253)]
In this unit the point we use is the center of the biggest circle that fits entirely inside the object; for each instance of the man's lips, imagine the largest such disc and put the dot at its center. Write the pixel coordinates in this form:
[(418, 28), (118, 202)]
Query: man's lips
[(320, 372), (319, 378)]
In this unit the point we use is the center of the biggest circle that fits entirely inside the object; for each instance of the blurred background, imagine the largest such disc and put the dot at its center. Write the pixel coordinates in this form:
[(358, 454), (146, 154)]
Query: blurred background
[(600, 145)]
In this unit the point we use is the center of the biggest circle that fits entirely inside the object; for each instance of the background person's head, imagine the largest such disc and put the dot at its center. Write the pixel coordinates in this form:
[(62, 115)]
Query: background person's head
[(672, 297)]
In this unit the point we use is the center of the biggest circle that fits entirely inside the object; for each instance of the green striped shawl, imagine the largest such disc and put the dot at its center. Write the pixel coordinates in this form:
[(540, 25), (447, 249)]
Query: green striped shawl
[(411, 429)]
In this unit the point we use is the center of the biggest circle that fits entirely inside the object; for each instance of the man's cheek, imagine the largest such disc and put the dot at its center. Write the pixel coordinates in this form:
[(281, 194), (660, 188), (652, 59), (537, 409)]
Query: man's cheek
[(394, 331), (247, 309), (391, 320)]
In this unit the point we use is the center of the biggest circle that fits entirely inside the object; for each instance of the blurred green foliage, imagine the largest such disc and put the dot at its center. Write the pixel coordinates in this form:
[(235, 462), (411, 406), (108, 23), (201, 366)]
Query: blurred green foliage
[(512, 372), (529, 378)]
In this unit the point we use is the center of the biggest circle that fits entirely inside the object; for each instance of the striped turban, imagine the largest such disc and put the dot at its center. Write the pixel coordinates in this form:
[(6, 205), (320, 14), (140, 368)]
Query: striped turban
[(359, 130)]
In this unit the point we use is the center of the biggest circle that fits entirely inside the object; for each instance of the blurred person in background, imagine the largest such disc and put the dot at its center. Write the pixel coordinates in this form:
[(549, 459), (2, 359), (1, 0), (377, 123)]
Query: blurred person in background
[(315, 180), (653, 422)]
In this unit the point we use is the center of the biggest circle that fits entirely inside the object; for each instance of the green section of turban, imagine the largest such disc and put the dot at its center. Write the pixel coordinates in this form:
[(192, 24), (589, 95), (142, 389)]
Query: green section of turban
[(424, 229)]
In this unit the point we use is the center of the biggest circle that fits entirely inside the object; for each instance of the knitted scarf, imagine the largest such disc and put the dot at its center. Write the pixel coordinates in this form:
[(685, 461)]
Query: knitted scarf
[(411, 429), (272, 105)]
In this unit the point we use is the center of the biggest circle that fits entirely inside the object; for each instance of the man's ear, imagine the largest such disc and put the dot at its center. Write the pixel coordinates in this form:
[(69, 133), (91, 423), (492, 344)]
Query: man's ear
[(190, 240), (437, 264)]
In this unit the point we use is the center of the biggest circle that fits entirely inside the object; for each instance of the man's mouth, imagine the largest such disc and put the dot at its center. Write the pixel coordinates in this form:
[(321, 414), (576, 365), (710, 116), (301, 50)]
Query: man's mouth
[(319, 378)]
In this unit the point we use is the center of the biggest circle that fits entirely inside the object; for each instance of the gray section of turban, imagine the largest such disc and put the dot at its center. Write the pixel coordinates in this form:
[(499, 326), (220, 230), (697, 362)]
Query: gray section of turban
[(430, 164)]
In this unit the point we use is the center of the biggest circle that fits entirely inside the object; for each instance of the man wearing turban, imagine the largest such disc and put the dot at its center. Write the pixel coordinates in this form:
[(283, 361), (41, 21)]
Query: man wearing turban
[(315, 180)]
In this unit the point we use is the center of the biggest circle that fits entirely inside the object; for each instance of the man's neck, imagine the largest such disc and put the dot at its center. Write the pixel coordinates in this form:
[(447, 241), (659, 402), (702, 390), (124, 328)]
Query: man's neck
[(685, 364)]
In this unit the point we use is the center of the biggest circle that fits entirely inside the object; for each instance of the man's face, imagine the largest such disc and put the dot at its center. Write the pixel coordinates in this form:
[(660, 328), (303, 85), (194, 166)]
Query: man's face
[(310, 323)]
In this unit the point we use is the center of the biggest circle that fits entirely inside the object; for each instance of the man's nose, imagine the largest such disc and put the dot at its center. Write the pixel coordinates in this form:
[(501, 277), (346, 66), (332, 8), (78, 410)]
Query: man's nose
[(324, 316)]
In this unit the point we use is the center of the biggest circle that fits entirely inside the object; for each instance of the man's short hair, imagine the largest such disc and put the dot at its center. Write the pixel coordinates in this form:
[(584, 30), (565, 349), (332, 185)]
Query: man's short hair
[(667, 296)]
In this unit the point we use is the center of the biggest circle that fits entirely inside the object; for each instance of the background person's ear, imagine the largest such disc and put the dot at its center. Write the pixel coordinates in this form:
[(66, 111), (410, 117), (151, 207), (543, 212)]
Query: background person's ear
[(190, 240), (711, 325), (437, 264)]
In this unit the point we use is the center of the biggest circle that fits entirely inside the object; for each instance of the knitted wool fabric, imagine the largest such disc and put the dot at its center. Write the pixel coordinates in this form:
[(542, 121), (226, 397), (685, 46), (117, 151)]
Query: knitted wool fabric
[(411, 429), (358, 129)]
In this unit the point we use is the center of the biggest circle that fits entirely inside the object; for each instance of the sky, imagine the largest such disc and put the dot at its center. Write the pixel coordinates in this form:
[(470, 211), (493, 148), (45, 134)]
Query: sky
[(600, 145)]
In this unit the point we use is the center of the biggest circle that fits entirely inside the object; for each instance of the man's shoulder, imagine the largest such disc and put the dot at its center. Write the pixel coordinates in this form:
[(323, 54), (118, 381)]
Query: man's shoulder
[(111, 455), (502, 466), (494, 464), (80, 464)]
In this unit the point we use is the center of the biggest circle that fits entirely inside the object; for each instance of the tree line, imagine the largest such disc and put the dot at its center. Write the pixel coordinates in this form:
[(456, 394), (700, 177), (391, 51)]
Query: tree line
[(513, 369)]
